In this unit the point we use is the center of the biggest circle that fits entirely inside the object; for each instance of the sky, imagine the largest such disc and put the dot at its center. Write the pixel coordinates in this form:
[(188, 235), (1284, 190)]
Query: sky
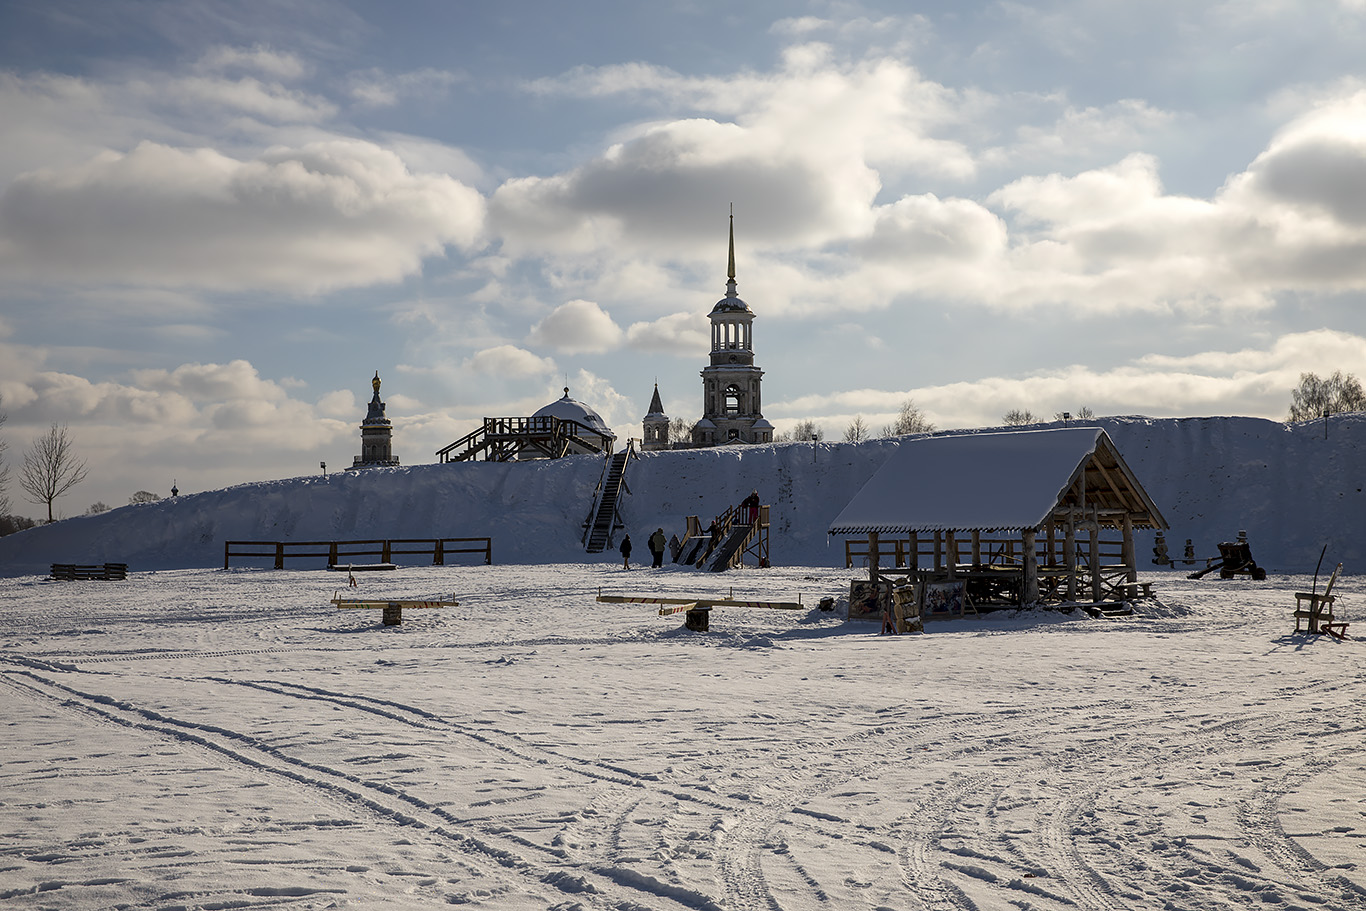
[(219, 220)]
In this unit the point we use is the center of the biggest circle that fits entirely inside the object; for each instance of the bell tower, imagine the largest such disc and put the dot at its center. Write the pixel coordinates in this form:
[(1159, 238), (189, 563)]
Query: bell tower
[(731, 398)]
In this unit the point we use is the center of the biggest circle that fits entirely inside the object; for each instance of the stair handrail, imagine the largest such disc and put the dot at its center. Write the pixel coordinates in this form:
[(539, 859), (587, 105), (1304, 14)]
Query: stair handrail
[(591, 519)]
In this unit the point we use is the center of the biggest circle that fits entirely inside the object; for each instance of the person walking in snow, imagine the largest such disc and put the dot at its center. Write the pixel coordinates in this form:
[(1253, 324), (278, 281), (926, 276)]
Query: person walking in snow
[(657, 544), (626, 552)]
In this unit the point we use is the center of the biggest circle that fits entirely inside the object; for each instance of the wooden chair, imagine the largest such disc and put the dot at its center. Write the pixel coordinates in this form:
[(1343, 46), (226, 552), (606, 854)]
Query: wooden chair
[(1316, 610)]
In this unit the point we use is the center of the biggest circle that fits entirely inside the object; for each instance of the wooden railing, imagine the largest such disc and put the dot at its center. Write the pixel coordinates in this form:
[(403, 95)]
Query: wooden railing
[(919, 552), (340, 552)]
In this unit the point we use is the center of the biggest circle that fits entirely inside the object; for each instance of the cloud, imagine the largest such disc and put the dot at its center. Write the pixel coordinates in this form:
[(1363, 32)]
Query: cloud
[(258, 58), (797, 150), (679, 334), (324, 216), (1253, 381), (510, 362), (378, 88), (577, 327)]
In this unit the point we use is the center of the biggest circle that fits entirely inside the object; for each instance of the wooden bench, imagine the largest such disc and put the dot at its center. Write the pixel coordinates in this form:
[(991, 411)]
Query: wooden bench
[(1316, 610), (393, 610), (1135, 590), (89, 572)]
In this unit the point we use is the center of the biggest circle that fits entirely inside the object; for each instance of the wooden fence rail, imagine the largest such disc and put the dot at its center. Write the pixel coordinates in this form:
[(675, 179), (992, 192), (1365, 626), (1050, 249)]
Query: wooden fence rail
[(339, 552)]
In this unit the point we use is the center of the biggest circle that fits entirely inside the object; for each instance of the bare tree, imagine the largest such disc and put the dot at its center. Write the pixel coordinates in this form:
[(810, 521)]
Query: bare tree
[(97, 507), (1017, 417), (680, 431), (51, 467), (1316, 397), (909, 420), (4, 469), (857, 431), (143, 496), (803, 432)]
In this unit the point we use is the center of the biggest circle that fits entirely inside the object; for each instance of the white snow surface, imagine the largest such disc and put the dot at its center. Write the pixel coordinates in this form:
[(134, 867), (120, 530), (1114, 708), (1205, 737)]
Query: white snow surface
[(200, 738), (194, 738), (1289, 488)]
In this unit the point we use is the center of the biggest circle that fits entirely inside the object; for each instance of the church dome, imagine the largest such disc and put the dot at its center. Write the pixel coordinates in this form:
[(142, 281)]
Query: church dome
[(730, 304), (567, 409)]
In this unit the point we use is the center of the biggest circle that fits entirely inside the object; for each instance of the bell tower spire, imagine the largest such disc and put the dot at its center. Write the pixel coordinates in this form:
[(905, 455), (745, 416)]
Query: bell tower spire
[(731, 383)]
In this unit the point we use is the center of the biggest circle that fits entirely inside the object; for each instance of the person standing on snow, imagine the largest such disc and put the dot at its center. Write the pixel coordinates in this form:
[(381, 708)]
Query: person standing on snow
[(657, 544), (626, 552)]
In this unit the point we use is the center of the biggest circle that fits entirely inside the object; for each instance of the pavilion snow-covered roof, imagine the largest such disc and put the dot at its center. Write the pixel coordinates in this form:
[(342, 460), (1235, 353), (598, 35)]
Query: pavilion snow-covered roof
[(998, 481)]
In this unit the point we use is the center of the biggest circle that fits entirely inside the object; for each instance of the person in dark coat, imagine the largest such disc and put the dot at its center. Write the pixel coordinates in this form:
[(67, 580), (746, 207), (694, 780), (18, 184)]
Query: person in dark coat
[(657, 544), (626, 552), (750, 506)]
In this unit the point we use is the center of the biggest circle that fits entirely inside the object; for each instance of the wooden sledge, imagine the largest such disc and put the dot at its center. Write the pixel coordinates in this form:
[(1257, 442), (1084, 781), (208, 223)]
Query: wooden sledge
[(393, 610)]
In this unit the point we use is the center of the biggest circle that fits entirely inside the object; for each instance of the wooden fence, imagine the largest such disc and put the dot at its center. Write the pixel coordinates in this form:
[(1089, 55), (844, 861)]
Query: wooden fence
[(341, 552)]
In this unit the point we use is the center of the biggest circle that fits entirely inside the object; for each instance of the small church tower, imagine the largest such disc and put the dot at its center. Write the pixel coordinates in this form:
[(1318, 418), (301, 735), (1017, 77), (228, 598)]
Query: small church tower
[(376, 435), (656, 425), (730, 384)]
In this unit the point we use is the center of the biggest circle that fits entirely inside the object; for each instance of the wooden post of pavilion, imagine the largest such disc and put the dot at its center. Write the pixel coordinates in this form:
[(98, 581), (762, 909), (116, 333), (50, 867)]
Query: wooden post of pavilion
[(1130, 560), (976, 549), (1069, 555), (914, 559), (1094, 531), (872, 556), (1029, 593)]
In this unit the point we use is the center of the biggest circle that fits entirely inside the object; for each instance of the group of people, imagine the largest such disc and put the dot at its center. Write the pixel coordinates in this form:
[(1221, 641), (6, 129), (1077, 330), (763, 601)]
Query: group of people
[(747, 514), (657, 544)]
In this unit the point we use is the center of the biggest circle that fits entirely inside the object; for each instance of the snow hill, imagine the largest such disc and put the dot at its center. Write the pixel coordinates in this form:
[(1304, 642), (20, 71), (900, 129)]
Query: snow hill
[(1290, 488)]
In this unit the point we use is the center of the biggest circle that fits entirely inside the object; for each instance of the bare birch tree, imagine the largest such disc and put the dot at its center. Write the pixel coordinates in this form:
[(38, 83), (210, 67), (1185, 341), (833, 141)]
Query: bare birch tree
[(4, 469), (51, 467), (857, 431)]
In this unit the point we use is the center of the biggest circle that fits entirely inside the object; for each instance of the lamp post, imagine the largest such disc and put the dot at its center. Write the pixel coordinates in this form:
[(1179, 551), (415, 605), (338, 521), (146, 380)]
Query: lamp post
[(323, 466), (814, 438)]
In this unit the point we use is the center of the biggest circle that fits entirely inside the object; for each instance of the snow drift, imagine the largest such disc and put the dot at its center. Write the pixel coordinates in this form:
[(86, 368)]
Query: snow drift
[(1291, 487)]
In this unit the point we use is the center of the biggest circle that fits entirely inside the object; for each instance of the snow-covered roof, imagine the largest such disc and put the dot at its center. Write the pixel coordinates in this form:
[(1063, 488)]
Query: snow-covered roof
[(1001, 481), (567, 409)]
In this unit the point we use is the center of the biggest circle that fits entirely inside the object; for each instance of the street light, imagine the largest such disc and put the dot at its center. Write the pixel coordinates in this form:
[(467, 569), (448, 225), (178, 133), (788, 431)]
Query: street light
[(323, 466)]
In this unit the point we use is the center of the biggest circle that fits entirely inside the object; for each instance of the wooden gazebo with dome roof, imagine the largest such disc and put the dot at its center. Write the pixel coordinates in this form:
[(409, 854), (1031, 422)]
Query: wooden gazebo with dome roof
[(564, 427)]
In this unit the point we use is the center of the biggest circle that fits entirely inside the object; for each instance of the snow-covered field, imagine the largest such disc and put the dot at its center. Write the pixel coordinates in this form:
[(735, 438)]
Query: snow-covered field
[(195, 738)]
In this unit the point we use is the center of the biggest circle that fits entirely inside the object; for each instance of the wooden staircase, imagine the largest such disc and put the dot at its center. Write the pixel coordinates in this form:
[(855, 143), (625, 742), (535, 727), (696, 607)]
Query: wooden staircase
[(506, 439), (604, 519)]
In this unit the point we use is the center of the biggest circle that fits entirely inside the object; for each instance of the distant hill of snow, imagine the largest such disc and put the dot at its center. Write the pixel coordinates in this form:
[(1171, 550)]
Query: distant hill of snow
[(1287, 486)]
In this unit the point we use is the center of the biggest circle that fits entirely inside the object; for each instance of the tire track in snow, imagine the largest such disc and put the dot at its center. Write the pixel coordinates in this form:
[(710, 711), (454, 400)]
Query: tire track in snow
[(597, 884)]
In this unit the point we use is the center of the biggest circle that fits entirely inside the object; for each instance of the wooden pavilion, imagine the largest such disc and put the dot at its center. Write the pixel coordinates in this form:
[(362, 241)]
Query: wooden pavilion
[(1019, 518)]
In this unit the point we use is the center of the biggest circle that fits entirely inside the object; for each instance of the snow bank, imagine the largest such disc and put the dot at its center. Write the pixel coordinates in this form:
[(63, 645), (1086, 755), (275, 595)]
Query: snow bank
[(1287, 486)]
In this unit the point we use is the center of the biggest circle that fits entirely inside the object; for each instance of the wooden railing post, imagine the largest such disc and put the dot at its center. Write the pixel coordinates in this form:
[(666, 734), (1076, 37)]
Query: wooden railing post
[(279, 555), (385, 555), (439, 553), (332, 554), (227, 552)]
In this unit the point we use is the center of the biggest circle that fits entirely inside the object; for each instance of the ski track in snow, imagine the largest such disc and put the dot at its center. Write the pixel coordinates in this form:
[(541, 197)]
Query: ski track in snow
[(535, 749)]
